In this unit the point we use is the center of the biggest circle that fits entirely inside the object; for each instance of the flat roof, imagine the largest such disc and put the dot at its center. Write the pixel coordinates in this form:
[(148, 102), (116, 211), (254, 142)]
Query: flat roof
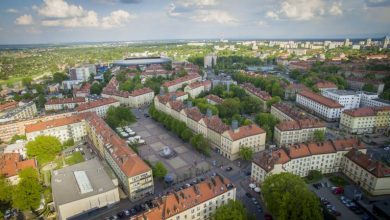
[(141, 61), (80, 181), (342, 92)]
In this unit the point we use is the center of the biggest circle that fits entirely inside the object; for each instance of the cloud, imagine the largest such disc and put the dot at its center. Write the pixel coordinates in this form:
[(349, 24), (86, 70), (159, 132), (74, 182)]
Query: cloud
[(90, 19), (172, 11), (217, 16), (377, 3), (262, 23), (196, 3), (12, 10), (60, 9), (24, 20), (116, 19), (304, 10), (131, 1), (336, 9)]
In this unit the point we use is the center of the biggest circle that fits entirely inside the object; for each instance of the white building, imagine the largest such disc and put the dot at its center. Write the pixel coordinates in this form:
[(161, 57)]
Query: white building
[(65, 103), (196, 88), (210, 60), (17, 147), (322, 106), (348, 99), (99, 106), (369, 99), (82, 72)]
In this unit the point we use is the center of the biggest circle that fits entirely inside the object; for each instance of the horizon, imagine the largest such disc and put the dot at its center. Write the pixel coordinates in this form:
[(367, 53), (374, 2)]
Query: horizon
[(75, 21)]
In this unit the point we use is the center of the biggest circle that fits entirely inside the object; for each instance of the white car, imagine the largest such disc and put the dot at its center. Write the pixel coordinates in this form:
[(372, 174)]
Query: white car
[(124, 134), (131, 133)]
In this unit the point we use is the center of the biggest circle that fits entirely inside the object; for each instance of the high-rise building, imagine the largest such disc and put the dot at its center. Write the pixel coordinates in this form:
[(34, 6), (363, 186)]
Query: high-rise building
[(210, 60)]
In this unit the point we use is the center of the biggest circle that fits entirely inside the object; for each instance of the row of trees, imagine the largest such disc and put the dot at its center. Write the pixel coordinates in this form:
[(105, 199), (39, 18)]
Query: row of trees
[(267, 121), (198, 141), (272, 85), (119, 116)]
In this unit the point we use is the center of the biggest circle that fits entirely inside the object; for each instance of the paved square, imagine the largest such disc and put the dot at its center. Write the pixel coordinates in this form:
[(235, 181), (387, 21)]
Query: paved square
[(152, 158), (157, 146), (177, 162), (180, 149), (144, 134), (150, 126)]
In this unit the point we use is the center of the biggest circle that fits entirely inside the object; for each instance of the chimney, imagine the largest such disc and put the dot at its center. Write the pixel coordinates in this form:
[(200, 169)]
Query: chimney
[(235, 125), (189, 104), (209, 113)]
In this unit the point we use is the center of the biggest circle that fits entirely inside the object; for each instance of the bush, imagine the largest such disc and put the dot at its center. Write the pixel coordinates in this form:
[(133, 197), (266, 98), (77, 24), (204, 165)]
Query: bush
[(338, 181), (313, 176)]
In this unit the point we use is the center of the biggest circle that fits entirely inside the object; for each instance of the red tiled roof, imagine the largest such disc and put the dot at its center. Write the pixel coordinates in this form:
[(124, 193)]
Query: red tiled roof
[(325, 85), (181, 80), (245, 131), (377, 168), (360, 112), (215, 124), (65, 101), (142, 91), (54, 123), (291, 111), (256, 91), (300, 124), (347, 144), (206, 84), (8, 105), (194, 113), (94, 104), (267, 160), (214, 98), (176, 105), (298, 151), (167, 97), (321, 148), (320, 99), (11, 164)]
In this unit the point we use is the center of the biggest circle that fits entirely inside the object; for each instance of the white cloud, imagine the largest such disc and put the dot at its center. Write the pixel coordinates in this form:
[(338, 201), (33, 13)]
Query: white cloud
[(304, 10), (196, 3), (172, 10), (60, 9), (336, 9), (116, 19), (88, 20), (24, 20), (12, 10), (262, 23), (217, 16)]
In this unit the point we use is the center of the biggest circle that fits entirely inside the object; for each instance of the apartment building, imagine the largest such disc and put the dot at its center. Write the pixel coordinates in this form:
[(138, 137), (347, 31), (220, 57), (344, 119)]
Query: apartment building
[(372, 100), (82, 90), (198, 202), (356, 83), (82, 72), (196, 88), (285, 112), (161, 100), (365, 120), (291, 132), (325, 85), (22, 111), (291, 90), (141, 97), (64, 103), (62, 128), (370, 174), (176, 84), (299, 159), (99, 106), (214, 100), (225, 139), (12, 163), (348, 99), (319, 105), (263, 96)]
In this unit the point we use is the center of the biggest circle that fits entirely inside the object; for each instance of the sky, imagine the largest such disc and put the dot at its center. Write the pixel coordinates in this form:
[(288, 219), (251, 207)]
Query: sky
[(60, 21)]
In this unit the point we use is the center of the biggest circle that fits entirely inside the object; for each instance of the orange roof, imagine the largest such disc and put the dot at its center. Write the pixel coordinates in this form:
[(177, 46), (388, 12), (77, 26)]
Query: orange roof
[(181, 80), (214, 98), (194, 85), (54, 123), (142, 91), (321, 148), (176, 202), (176, 105), (300, 124), (65, 101), (298, 151), (215, 124), (291, 111), (194, 113), (347, 144), (360, 112), (325, 85), (320, 99), (94, 104), (11, 164), (267, 160), (245, 131), (167, 97), (8, 105), (377, 168), (256, 91)]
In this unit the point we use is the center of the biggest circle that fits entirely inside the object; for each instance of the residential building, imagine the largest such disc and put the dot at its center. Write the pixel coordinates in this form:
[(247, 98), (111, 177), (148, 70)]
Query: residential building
[(99, 106), (53, 88), (285, 112), (223, 79), (299, 159), (141, 61), (199, 201), (72, 127), (82, 91), (161, 100), (365, 120), (11, 164), (23, 111), (18, 147), (177, 83), (64, 103), (210, 61), (356, 83), (371, 175), (319, 105), (196, 88), (214, 100), (263, 96), (291, 90), (348, 99), (81, 188), (82, 72), (325, 85), (7, 106), (293, 132), (372, 100)]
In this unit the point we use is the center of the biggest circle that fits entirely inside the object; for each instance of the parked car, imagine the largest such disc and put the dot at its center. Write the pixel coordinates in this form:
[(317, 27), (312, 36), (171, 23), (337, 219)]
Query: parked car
[(337, 190), (248, 195), (229, 169)]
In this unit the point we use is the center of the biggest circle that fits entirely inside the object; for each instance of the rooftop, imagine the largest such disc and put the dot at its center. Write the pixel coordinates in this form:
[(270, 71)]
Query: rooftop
[(245, 131), (214, 98), (11, 164), (325, 85), (377, 168), (256, 91), (65, 101), (39, 126), (341, 92), (141, 61), (181, 80), (94, 104), (320, 99), (79, 181), (300, 124)]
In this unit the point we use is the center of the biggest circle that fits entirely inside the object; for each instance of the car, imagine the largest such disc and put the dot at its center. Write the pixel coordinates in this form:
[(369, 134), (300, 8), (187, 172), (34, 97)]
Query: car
[(146, 115), (127, 212), (248, 173), (133, 211), (268, 217), (228, 169), (248, 195)]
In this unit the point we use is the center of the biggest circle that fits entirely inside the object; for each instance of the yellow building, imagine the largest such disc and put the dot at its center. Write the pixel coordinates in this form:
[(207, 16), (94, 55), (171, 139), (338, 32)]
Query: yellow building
[(365, 120)]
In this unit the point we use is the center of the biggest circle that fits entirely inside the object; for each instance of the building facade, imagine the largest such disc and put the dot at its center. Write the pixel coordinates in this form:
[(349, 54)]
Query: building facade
[(348, 99), (65, 103), (365, 120), (176, 84), (99, 106)]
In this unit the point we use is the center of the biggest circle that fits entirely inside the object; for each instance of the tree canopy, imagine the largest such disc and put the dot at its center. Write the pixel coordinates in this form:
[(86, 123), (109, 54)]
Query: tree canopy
[(159, 170), (246, 153), (44, 148), (96, 88), (233, 210), (319, 135), (119, 116), (27, 194), (287, 198), (17, 137)]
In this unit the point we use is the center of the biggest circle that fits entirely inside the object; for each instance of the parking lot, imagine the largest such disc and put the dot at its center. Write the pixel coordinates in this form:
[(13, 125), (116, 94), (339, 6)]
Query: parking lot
[(185, 165)]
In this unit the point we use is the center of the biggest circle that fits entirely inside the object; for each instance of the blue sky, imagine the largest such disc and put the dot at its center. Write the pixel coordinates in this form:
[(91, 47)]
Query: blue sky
[(55, 21)]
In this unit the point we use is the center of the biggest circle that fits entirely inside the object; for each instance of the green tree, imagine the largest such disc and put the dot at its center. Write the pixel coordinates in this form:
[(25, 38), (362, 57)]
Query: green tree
[(250, 105), (41, 101), (119, 116), (121, 77), (5, 191), (68, 143), (232, 210), (319, 135), (229, 107), (186, 134), (267, 122), (287, 198), (44, 148), (246, 153), (17, 137), (27, 194), (274, 100), (59, 77), (27, 82), (368, 87), (96, 88), (107, 76), (200, 144), (159, 170)]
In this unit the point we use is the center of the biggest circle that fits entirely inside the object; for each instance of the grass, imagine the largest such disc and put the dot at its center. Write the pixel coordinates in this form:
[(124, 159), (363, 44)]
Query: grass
[(75, 158)]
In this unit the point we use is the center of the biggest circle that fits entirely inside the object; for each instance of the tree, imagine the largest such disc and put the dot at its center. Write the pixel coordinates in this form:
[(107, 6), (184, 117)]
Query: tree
[(159, 170), (267, 122), (41, 101), (17, 137), (368, 87), (59, 77), (186, 134), (121, 77), (5, 191), (287, 197), (44, 148), (319, 135), (228, 108), (250, 105), (246, 153), (119, 116), (200, 144), (273, 100), (68, 143), (96, 88), (27, 82), (27, 194), (233, 210)]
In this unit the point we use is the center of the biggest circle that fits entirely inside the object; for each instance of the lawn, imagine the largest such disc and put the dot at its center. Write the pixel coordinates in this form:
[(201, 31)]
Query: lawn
[(76, 157)]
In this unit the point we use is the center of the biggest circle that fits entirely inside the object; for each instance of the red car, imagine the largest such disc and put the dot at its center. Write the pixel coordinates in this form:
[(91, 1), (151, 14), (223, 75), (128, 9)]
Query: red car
[(337, 190), (268, 217)]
